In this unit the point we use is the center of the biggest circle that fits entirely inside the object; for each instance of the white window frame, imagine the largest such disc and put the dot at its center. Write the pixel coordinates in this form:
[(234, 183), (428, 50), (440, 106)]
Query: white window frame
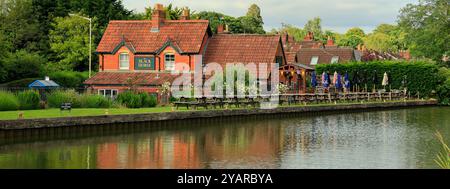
[(120, 61), (167, 62), (102, 92), (316, 58), (334, 59)]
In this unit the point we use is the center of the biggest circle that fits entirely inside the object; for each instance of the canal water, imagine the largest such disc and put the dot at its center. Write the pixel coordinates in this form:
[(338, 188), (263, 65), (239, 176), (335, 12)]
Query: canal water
[(402, 138)]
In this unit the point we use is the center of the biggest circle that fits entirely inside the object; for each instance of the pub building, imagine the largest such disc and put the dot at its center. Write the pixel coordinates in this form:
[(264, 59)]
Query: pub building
[(143, 53)]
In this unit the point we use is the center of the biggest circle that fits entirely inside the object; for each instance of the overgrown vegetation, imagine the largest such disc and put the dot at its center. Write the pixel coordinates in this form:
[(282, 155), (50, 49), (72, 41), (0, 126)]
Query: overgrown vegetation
[(420, 78), (443, 158), (29, 100), (56, 98), (132, 99), (8, 101)]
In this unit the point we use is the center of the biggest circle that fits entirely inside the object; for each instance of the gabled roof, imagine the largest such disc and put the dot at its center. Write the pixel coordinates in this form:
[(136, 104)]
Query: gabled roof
[(242, 48), (136, 34), (38, 84)]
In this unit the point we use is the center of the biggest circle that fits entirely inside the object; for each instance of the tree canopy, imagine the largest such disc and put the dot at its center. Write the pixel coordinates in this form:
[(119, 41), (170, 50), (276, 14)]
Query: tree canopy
[(69, 40), (428, 29)]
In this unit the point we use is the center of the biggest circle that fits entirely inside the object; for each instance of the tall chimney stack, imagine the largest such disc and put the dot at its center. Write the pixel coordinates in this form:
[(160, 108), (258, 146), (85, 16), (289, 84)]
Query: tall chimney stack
[(186, 14), (309, 36), (330, 41), (220, 28), (158, 17)]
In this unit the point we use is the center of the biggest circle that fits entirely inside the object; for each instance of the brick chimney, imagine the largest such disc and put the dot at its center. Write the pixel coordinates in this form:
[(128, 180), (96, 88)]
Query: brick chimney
[(405, 54), (309, 36), (220, 29), (330, 41), (186, 14), (158, 17)]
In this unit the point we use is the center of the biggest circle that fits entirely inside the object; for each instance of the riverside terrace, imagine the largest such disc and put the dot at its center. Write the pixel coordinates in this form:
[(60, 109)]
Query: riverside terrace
[(292, 99)]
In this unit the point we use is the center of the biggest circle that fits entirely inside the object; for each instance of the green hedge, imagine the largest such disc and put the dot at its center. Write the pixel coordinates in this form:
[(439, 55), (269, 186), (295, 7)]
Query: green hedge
[(444, 89), (422, 77), (8, 101), (69, 79), (29, 100)]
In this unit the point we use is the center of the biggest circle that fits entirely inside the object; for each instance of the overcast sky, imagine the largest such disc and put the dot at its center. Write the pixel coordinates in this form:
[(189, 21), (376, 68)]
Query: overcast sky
[(337, 15)]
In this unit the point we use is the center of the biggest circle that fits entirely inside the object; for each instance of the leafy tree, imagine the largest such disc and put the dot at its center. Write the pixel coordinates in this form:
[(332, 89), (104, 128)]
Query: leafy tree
[(386, 38), (296, 32), (20, 27), (251, 25), (352, 38), (355, 31), (315, 25), (215, 18), (70, 41), (380, 42), (428, 26), (22, 64), (253, 22), (173, 13)]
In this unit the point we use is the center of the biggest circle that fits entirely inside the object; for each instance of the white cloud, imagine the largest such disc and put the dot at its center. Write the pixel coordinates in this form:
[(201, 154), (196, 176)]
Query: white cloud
[(337, 15)]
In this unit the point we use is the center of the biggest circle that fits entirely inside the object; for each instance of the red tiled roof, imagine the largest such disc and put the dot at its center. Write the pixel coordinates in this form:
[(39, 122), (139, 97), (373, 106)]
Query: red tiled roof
[(123, 78), (187, 34), (325, 55), (291, 50), (242, 48)]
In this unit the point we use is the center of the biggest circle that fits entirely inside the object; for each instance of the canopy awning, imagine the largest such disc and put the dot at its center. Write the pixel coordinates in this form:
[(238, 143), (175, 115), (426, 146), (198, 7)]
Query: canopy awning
[(43, 84)]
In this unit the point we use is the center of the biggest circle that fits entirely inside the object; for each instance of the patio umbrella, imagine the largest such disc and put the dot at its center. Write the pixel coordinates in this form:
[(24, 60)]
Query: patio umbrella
[(355, 80), (335, 78), (347, 81), (338, 82), (325, 80), (314, 80), (375, 80), (328, 78), (385, 80)]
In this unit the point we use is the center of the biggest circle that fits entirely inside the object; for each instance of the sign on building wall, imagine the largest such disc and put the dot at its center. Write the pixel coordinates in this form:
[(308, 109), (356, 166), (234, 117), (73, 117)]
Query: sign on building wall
[(144, 63)]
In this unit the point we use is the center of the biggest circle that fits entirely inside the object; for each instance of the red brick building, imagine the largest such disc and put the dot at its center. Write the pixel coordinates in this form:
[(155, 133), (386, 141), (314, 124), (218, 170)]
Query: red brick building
[(146, 52)]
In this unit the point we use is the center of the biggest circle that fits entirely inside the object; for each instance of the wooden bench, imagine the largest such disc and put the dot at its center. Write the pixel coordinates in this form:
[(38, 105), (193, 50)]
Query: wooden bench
[(184, 102), (66, 106)]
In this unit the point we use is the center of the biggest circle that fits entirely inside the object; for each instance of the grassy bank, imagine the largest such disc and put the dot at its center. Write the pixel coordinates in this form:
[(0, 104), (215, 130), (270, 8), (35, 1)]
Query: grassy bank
[(55, 113)]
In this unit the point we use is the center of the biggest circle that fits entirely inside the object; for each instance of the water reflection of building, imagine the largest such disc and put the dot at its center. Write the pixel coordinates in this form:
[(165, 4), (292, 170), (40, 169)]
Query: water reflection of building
[(174, 151), (246, 146)]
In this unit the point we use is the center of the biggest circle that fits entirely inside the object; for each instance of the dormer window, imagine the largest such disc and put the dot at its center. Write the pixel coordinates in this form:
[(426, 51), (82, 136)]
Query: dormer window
[(335, 60), (314, 60), (124, 61)]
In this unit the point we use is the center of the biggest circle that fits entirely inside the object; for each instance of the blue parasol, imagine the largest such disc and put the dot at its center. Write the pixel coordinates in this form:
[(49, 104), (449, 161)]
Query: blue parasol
[(325, 80), (314, 80), (347, 81), (338, 83)]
